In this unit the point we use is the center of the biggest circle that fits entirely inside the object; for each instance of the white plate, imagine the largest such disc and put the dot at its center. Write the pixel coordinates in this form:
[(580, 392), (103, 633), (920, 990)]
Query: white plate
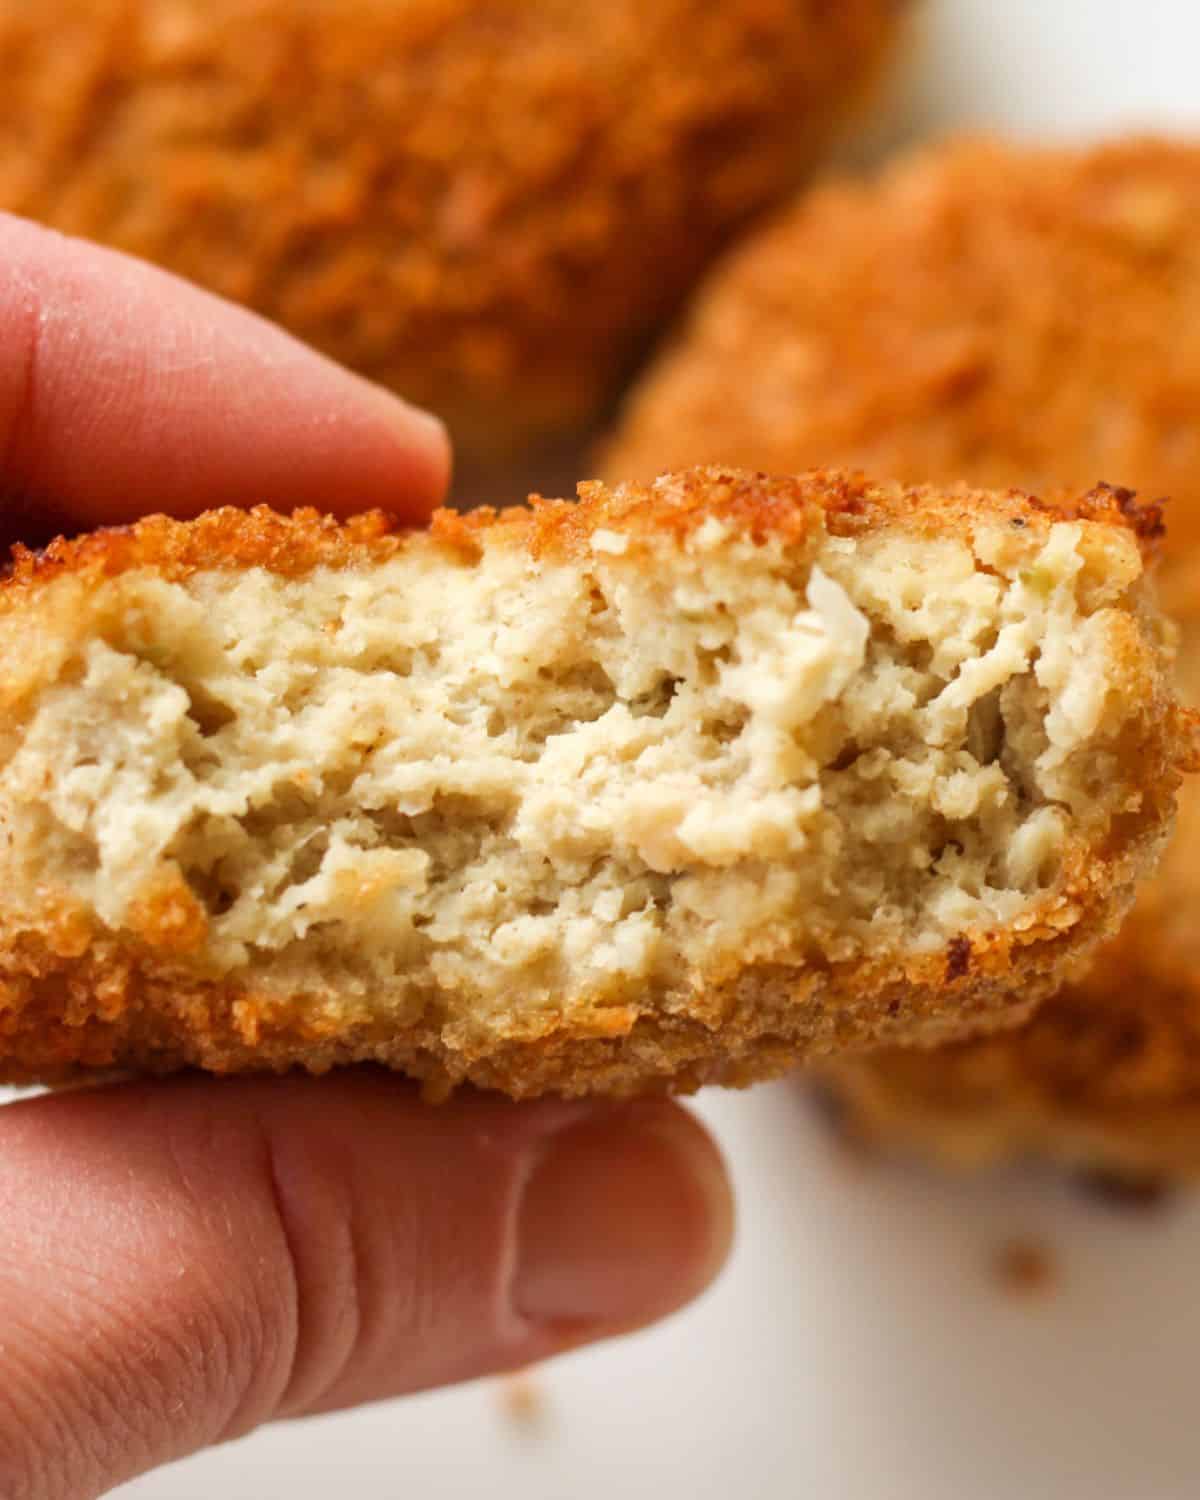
[(861, 1347)]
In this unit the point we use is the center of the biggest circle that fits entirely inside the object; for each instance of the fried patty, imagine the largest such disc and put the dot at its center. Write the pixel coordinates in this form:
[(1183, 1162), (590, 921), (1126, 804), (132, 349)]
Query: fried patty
[(677, 783), (486, 204), (1007, 315), (997, 314)]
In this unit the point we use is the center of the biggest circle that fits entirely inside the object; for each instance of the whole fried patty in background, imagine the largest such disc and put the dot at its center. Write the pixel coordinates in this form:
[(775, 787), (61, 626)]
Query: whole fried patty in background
[(980, 312), (486, 204)]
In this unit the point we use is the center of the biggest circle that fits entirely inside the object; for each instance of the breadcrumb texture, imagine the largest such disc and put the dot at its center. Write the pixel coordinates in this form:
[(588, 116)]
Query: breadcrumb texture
[(486, 204), (677, 783), (983, 312)]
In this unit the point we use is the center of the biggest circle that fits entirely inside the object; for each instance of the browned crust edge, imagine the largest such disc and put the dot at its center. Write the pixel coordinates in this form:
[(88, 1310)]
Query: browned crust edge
[(114, 1004), (756, 504)]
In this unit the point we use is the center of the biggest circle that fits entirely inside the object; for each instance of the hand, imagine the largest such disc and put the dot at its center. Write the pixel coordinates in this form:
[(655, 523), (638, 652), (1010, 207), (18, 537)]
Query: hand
[(181, 1261)]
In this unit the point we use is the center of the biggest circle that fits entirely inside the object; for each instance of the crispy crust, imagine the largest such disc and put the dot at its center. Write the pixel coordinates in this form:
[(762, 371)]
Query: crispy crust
[(73, 997), (488, 204), (846, 504), (121, 1006), (980, 312)]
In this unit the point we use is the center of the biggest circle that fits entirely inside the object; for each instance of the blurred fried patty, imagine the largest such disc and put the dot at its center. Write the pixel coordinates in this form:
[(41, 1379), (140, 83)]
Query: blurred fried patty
[(487, 204), (982, 312)]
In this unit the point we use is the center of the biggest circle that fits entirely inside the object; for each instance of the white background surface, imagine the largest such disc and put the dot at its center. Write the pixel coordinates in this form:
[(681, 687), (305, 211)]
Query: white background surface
[(861, 1346)]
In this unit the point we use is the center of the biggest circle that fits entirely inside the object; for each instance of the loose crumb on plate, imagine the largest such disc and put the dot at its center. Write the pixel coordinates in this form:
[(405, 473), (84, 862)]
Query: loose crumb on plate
[(1025, 1268), (523, 1403)]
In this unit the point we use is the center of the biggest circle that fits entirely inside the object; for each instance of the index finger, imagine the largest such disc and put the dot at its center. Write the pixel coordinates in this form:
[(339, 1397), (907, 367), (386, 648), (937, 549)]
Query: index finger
[(124, 390)]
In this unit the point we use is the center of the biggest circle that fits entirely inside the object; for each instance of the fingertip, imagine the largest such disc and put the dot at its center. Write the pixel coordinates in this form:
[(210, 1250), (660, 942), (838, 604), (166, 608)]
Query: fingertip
[(428, 452), (707, 1211), (125, 390), (380, 451), (626, 1217)]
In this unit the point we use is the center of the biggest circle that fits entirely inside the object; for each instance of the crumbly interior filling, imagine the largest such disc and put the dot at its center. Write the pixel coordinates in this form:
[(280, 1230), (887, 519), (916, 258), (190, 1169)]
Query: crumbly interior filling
[(513, 781)]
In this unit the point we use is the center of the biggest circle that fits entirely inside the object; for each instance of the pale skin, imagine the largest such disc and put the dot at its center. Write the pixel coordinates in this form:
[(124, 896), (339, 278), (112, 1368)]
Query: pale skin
[(182, 1261)]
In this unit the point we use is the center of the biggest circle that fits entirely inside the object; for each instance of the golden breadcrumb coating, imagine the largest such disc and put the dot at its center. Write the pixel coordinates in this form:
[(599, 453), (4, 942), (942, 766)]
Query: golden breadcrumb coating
[(673, 784), (1009, 316), (487, 204), (997, 314)]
